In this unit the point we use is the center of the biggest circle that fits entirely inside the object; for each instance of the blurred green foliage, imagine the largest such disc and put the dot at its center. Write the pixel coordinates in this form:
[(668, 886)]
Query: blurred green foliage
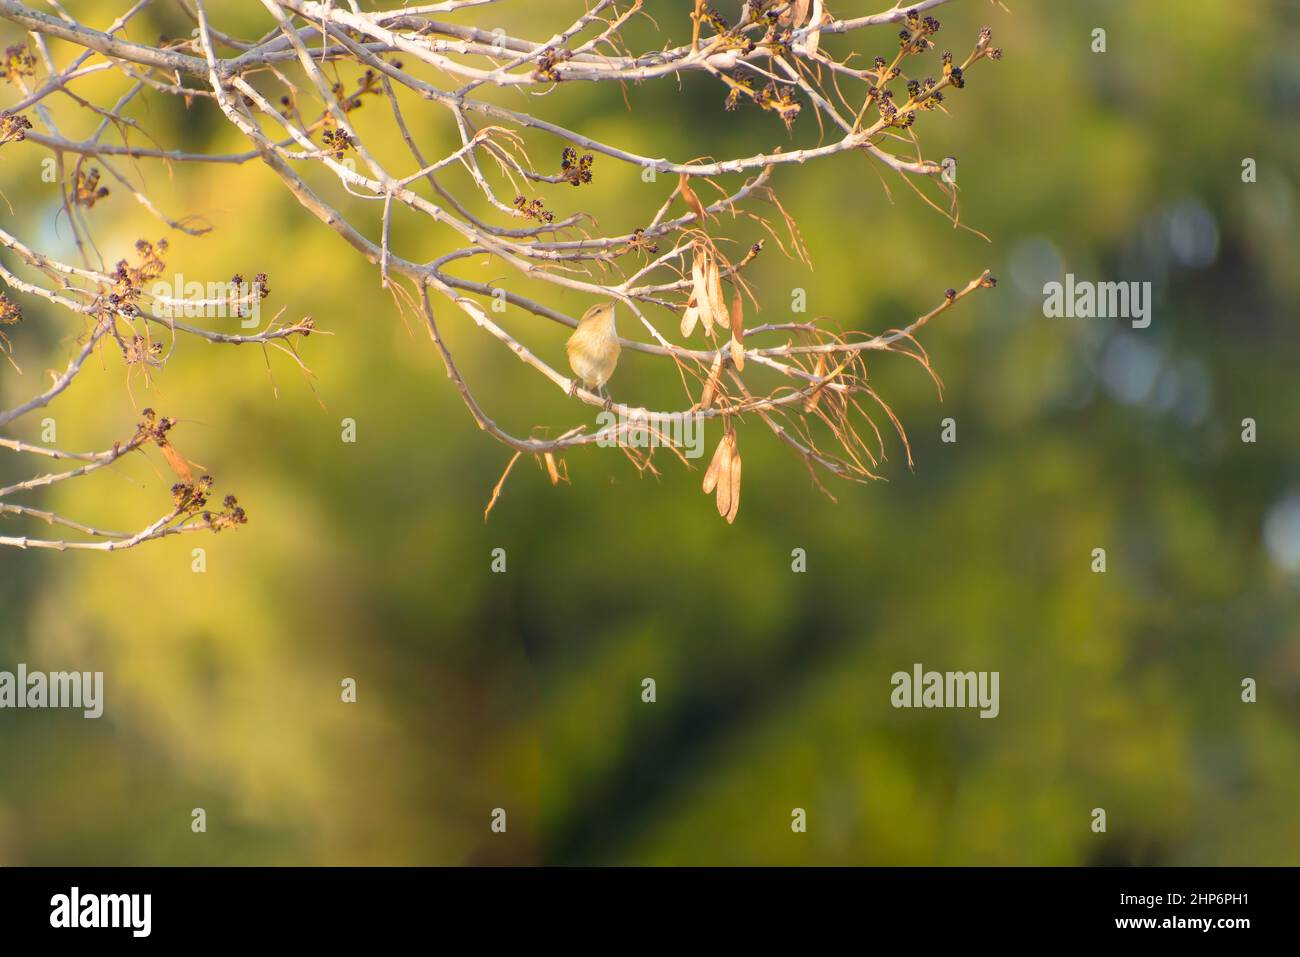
[(522, 690)]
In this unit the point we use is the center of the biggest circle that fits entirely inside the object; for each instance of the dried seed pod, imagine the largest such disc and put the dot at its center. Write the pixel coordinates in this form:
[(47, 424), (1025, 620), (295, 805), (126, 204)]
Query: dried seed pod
[(737, 331), (723, 476), (733, 505), (813, 40), (711, 383), (728, 478), (690, 317), (795, 13), (717, 302), (721, 458), (700, 288)]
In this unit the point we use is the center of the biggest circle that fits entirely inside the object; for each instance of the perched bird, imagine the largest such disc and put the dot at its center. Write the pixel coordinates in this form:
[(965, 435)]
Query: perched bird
[(593, 348)]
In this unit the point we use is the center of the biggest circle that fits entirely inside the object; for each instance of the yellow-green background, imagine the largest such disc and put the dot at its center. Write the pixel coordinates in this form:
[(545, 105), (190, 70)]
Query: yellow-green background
[(522, 690)]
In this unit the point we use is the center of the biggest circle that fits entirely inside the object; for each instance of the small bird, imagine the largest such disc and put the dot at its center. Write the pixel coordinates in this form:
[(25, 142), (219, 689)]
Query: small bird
[(593, 348)]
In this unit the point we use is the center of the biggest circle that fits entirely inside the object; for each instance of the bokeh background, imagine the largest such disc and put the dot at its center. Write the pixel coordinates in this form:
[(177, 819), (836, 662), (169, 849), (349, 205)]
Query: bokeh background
[(523, 690)]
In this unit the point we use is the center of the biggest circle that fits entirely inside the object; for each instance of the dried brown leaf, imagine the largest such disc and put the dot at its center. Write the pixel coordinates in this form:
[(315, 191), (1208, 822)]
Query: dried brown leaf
[(693, 201)]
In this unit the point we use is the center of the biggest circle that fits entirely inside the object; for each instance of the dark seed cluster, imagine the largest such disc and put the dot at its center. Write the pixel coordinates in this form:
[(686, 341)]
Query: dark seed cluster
[(781, 100), (741, 87), (11, 313), (576, 171), (192, 498), (534, 210), (639, 242), (139, 350), (337, 141), (548, 63), (13, 128), (152, 427), (714, 19), (86, 191), (776, 17), (19, 61), (367, 85), (129, 281), (261, 286)]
